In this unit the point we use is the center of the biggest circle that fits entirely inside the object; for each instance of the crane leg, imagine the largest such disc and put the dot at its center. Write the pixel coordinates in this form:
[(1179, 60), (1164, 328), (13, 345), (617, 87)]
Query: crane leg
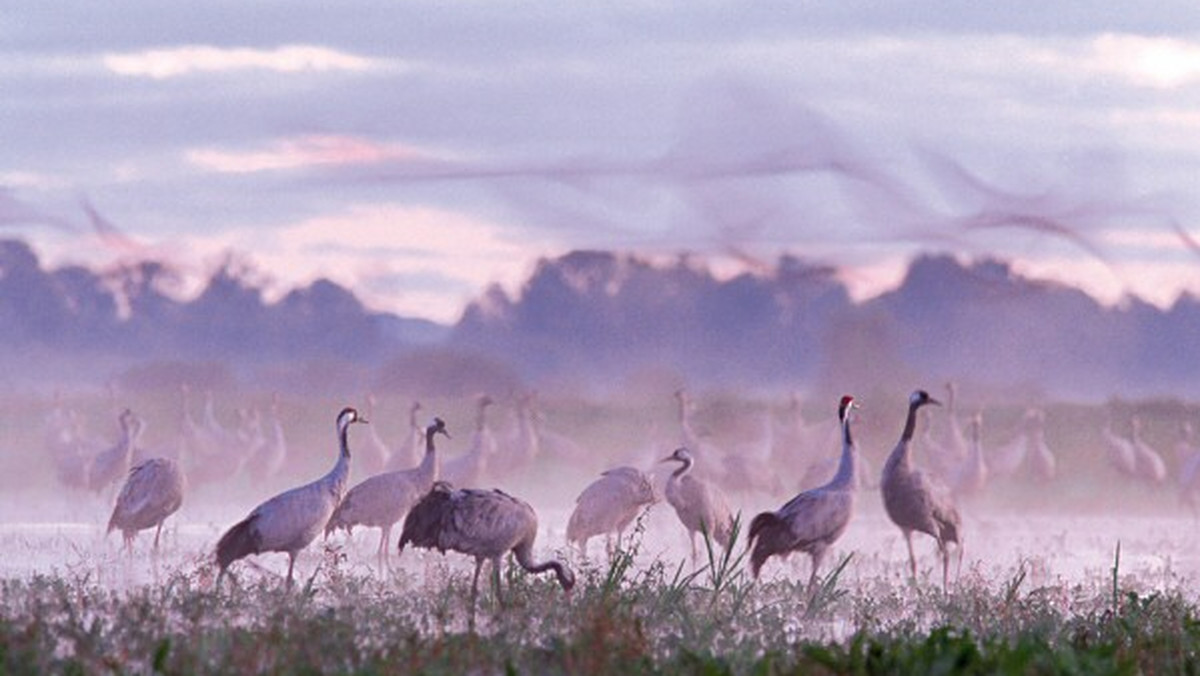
[(912, 557), (817, 556), (384, 536), (291, 567), (475, 585), (157, 532), (945, 565), (496, 581)]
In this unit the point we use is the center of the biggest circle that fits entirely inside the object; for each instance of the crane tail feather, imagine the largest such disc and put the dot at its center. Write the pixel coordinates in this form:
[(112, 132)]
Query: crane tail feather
[(763, 536)]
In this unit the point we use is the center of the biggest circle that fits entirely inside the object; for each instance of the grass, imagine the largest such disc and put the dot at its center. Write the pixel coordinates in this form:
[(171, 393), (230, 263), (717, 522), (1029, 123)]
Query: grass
[(622, 618)]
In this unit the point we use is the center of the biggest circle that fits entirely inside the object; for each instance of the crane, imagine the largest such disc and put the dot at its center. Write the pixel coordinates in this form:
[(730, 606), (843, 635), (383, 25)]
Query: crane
[(699, 505), (1042, 461), (813, 520), (481, 523), (1120, 452), (382, 500), (271, 455), (152, 492), (971, 477), (291, 520), (374, 454), (469, 468), (1149, 464), (913, 501), (113, 463), (609, 504)]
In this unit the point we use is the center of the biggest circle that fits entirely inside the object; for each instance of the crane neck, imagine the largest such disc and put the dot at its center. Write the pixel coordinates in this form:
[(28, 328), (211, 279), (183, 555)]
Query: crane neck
[(429, 463), (910, 423), (343, 439), (847, 465), (899, 456), (687, 467)]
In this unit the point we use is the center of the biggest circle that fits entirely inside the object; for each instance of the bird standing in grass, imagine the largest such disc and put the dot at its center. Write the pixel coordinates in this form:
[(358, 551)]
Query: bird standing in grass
[(700, 506), (152, 492), (913, 501), (608, 505), (814, 519), (291, 520), (485, 524), (382, 500)]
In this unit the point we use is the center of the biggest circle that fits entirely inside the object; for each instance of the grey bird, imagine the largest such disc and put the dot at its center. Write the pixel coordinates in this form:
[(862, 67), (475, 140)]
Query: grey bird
[(699, 505), (608, 505), (382, 500), (152, 492), (913, 501), (485, 524), (113, 463), (291, 520), (813, 520), (470, 468)]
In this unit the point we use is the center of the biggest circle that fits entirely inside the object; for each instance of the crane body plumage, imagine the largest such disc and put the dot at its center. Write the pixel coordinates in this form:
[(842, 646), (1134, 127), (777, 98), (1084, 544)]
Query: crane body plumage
[(484, 524), (291, 520), (913, 501), (700, 505), (382, 500), (813, 520), (609, 504), (152, 492)]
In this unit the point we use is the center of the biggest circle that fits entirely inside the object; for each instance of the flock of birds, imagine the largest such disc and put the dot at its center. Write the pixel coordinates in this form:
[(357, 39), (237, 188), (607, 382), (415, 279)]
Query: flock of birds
[(440, 506)]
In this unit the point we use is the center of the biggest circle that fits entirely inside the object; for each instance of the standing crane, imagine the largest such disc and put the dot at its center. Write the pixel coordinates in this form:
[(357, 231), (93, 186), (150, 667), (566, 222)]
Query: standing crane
[(1119, 450), (382, 500), (291, 520), (609, 504), (813, 520), (913, 501), (700, 506), (373, 452), (152, 492), (481, 523), (1150, 465), (469, 468), (113, 463), (1188, 454), (410, 451), (271, 455), (972, 475), (1042, 462)]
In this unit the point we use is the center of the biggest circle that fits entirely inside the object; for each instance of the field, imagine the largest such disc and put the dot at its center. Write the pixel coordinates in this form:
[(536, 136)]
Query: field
[(1088, 574)]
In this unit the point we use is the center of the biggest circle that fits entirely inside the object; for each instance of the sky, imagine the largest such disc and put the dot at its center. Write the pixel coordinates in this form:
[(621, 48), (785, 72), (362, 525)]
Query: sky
[(418, 151)]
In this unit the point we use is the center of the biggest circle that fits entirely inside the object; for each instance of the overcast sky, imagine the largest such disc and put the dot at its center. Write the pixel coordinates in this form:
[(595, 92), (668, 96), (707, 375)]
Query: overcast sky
[(417, 151)]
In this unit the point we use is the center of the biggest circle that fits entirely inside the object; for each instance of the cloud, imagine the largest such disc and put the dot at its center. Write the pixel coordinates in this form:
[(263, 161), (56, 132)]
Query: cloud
[(160, 64), (301, 152), (1160, 62), (414, 261)]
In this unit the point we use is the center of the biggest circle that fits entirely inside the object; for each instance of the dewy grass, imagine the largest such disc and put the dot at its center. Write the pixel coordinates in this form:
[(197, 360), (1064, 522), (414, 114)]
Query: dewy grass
[(654, 617)]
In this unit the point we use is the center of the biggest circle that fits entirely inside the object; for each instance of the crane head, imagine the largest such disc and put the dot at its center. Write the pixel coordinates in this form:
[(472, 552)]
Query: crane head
[(921, 398), (681, 454), (438, 426), (847, 404), (350, 415)]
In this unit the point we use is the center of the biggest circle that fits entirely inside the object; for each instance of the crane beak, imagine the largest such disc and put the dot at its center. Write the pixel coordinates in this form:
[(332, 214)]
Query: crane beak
[(935, 402)]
